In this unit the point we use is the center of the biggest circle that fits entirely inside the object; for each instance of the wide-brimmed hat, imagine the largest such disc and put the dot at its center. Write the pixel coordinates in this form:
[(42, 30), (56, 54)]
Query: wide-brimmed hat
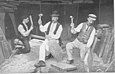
[(55, 14), (92, 16)]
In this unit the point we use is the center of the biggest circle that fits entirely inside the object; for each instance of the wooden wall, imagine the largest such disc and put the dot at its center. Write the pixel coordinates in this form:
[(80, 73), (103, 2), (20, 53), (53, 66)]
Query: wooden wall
[(79, 11)]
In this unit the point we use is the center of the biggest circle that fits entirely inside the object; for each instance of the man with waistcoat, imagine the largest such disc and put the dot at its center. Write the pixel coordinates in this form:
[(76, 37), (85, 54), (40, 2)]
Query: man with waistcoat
[(84, 40), (24, 30), (52, 30)]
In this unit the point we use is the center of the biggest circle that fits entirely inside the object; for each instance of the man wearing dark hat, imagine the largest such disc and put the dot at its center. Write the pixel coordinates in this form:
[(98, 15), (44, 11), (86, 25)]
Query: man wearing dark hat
[(24, 31), (84, 40), (53, 30)]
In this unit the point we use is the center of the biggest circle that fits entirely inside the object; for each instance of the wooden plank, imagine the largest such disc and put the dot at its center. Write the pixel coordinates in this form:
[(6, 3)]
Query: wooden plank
[(108, 50), (94, 44), (105, 36), (2, 26), (38, 37), (63, 66), (107, 47), (111, 67), (1, 54), (6, 49)]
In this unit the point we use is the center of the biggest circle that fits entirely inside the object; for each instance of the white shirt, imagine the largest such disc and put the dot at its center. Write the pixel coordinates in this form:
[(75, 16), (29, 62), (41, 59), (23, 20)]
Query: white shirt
[(91, 38), (22, 30), (52, 29)]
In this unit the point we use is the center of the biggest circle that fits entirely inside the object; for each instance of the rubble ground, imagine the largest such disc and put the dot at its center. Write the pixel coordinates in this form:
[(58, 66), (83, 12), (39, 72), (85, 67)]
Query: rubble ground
[(24, 63)]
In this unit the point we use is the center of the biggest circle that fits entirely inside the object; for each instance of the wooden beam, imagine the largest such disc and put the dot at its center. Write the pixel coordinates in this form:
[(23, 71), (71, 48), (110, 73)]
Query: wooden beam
[(7, 5), (6, 9), (36, 36)]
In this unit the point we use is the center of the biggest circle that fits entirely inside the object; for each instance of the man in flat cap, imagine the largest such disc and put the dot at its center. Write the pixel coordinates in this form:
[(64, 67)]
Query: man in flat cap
[(84, 40), (53, 30)]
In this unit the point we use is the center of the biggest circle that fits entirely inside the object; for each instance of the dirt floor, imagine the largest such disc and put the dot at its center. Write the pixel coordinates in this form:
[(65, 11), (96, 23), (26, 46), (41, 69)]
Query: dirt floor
[(24, 63)]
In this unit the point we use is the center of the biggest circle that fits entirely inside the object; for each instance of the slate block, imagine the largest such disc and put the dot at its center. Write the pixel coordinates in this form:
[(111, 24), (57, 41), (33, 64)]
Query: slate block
[(63, 67)]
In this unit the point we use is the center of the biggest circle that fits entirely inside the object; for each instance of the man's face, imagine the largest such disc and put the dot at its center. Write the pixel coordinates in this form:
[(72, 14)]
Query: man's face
[(90, 20), (54, 18), (26, 20)]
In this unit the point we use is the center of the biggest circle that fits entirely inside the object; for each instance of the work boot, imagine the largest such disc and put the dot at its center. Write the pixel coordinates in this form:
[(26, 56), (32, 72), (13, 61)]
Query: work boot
[(40, 64), (70, 61)]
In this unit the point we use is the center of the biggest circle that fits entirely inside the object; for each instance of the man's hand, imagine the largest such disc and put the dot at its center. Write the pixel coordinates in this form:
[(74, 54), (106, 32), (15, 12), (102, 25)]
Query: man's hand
[(40, 19), (48, 37), (40, 22), (72, 25), (31, 28)]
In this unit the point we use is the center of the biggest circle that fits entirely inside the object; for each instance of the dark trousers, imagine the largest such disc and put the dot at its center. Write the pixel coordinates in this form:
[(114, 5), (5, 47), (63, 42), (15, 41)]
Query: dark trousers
[(26, 45)]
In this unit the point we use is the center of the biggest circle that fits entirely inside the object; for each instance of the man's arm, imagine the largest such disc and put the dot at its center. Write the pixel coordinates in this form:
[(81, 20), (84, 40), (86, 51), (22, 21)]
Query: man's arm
[(58, 33), (44, 28), (77, 29), (91, 38), (23, 32)]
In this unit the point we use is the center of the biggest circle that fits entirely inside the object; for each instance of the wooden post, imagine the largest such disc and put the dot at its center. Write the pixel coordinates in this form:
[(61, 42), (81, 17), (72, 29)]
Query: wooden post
[(105, 36), (1, 54), (107, 47), (2, 21), (114, 31), (13, 22)]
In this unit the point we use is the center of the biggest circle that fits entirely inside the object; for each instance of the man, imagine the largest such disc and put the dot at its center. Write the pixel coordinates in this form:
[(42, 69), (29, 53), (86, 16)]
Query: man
[(53, 30), (24, 32), (17, 46), (84, 39)]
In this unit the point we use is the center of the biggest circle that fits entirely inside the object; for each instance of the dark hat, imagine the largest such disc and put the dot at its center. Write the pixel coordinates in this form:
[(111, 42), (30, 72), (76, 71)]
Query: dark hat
[(55, 14), (23, 17)]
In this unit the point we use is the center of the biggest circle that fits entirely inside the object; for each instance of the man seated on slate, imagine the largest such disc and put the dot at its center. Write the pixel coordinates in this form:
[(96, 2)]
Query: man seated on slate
[(52, 30)]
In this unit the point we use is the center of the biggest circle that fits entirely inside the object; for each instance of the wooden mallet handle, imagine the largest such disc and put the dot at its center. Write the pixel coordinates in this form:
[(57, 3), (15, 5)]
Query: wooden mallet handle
[(31, 20), (71, 17)]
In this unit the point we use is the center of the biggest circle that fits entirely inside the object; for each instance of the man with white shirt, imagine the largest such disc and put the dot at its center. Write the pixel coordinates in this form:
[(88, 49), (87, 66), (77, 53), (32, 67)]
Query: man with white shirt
[(24, 33), (53, 30), (84, 40)]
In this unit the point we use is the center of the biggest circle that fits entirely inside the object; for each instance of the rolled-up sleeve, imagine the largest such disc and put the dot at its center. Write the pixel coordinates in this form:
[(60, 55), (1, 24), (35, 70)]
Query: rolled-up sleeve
[(91, 38), (77, 29), (58, 33), (21, 30), (44, 28)]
